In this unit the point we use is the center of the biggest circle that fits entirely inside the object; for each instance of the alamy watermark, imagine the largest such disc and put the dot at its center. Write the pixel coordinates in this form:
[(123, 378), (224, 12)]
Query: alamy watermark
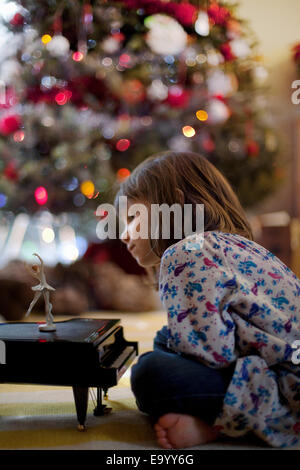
[(296, 94), (149, 221), (2, 92), (296, 353)]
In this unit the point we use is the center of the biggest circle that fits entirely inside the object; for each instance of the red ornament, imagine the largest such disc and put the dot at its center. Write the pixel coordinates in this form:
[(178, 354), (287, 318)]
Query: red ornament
[(185, 13), (10, 172), (178, 97), (226, 50), (118, 37), (218, 15), (132, 91), (17, 20), (10, 124), (252, 148)]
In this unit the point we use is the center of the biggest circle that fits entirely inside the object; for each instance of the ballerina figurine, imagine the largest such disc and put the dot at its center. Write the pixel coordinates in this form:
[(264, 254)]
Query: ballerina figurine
[(42, 288)]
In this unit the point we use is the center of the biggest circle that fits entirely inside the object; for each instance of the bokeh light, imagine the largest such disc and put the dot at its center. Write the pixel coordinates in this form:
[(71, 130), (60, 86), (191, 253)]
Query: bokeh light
[(41, 195), (188, 131), (87, 188), (69, 252), (48, 235), (77, 56), (122, 174), (202, 115), (19, 136), (63, 97), (122, 145), (3, 200), (46, 38)]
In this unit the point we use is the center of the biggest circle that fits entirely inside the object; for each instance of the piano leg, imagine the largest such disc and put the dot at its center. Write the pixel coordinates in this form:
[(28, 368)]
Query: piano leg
[(101, 409), (81, 395)]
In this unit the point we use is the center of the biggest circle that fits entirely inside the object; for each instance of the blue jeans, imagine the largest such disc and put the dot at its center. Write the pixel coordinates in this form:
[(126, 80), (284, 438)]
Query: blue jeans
[(164, 381)]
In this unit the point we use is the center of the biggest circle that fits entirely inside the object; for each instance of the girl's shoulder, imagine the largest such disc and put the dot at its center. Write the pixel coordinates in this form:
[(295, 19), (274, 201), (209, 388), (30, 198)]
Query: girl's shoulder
[(227, 248), (196, 242)]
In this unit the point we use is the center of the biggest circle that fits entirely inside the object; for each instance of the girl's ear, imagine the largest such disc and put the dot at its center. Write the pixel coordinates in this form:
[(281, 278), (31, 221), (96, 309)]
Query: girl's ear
[(180, 195)]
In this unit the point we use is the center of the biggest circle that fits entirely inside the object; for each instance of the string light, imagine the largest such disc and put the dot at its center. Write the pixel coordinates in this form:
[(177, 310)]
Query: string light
[(202, 115), (46, 38), (87, 188), (122, 145), (48, 235), (188, 131), (19, 136), (124, 60), (41, 195), (122, 174), (63, 97), (77, 56)]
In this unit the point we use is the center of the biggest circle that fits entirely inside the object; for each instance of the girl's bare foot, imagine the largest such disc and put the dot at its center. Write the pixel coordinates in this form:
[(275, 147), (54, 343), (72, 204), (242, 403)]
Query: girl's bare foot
[(176, 431)]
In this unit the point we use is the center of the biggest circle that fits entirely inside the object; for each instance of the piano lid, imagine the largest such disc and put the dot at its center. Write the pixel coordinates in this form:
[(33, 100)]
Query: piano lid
[(75, 330)]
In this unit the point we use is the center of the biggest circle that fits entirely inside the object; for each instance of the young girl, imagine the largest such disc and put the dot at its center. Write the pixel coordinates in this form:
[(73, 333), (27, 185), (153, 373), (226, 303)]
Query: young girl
[(225, 362)]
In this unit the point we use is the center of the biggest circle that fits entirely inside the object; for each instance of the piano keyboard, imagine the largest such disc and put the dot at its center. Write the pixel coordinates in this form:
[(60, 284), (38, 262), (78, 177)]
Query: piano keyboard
[(120, 359)]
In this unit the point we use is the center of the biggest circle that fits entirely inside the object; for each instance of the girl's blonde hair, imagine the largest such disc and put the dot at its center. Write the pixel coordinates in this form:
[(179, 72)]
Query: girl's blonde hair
[(158, 178)]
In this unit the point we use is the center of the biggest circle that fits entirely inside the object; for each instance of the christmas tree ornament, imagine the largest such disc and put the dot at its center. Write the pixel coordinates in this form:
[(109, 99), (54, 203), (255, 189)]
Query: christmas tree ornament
[(227, 52), (9, 124), (218, 14), (10, 172), (219, 83), (17, 20), (157, 90), (218, 111), (202, 24), (252, 148), (240, 48), (178, 97), (234, 29), (111, 44), (58, 46), (166, 36)]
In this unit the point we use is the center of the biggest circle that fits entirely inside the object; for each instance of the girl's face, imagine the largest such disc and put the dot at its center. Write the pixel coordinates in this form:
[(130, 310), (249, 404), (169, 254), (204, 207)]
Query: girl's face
[(140, 248)]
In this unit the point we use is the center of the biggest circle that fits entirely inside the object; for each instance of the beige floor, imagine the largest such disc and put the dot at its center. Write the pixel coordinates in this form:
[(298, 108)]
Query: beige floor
[(39, 417)]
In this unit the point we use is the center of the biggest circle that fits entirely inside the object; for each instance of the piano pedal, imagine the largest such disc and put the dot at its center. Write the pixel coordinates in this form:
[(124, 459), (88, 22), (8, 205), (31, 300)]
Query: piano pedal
[(105, 395), (102, 410)]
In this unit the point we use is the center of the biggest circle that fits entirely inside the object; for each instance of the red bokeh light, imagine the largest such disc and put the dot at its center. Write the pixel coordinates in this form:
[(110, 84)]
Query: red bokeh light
[(122, 145), (41, 195)]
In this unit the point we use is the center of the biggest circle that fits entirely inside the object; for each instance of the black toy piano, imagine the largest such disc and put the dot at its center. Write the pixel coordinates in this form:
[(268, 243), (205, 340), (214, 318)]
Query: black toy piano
[(81, 353)]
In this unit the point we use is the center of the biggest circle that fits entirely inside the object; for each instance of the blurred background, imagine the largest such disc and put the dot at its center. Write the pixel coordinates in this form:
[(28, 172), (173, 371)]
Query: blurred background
[(89, 89)]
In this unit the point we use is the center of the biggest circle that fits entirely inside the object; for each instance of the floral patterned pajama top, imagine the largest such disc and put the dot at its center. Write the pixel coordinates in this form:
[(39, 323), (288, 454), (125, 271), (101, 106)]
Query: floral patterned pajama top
[(230, 301)]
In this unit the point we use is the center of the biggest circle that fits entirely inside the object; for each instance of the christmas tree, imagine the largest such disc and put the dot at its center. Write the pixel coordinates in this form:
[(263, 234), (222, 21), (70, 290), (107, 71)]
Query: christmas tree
[(94, 87)]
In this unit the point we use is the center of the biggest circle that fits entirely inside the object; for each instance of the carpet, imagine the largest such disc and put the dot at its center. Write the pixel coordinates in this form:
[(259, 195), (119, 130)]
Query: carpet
[(44, 417)]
